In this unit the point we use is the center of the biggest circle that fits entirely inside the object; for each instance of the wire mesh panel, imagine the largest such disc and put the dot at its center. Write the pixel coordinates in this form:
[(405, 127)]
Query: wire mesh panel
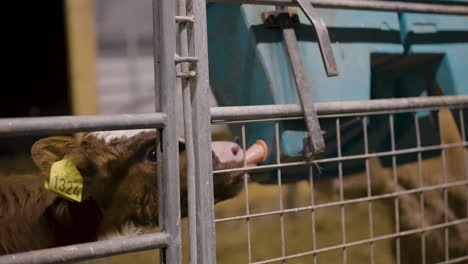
[(391, 188)]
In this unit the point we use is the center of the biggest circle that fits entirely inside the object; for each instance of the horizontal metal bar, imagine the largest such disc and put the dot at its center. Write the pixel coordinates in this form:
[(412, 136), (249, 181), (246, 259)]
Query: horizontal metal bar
[(455, 260), (189, 74), (91, 250), (184, 19), (366, 241), (395, 6), (386, 112), (180, 59), (345, 158), (237, 113), (347, 202), (70, 124)]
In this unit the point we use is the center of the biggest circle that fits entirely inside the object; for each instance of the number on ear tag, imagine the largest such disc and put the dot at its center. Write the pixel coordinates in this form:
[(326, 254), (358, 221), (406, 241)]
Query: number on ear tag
[(65, 180)]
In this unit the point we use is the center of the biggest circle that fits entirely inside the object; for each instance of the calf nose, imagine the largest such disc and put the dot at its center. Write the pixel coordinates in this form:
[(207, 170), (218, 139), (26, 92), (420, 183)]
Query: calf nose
[(227, 151)]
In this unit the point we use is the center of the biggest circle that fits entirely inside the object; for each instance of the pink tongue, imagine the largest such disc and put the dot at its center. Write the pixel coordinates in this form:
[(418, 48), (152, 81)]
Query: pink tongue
[(257, 153)]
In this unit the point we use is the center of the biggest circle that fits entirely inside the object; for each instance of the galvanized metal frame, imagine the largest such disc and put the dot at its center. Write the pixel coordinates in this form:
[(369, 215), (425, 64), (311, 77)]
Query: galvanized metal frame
[(408, 7), (71, 124), (185, 25), (192, 58), (271, 112), (91, 250), (168, 240), (164, 12), (390, 107), (206, 241), (195, 83)]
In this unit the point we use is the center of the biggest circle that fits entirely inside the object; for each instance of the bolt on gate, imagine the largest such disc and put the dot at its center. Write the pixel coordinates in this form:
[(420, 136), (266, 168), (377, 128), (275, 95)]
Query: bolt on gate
[(189, 64)]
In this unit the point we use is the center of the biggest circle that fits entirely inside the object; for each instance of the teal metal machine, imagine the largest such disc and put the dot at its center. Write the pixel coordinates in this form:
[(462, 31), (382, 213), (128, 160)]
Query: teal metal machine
[(378, 54)]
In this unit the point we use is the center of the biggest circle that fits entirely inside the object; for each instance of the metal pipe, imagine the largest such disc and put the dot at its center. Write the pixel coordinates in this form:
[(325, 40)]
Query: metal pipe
[(247, 199), (184, 84), (164, 41), (366, 5), (90, 250), (184, 58), (370, 211), (70, 124), (191, 192), (236, 113), (396, 199), (198, 45), (345, 158), (184, 19), (189, 74)]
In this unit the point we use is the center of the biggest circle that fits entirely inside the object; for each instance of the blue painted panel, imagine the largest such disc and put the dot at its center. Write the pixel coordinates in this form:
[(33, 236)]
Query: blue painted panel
[(248, 64), (442, 34)]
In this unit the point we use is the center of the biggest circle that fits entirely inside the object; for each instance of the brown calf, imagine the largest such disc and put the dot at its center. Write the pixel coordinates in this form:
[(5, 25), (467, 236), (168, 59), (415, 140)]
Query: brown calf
[(119, 193)]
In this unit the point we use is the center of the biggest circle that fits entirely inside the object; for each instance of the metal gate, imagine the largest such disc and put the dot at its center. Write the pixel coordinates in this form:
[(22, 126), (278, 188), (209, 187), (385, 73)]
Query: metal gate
[(190, 60), (168, 240), (414, 194)]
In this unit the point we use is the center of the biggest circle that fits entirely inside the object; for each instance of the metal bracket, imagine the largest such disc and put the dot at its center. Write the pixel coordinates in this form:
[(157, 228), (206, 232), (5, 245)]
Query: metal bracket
[(314, 144), (275, 18), (322, 37)]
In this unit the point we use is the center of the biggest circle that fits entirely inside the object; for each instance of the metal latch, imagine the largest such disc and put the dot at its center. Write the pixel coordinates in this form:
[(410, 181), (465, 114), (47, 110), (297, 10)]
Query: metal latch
[(286, 20)]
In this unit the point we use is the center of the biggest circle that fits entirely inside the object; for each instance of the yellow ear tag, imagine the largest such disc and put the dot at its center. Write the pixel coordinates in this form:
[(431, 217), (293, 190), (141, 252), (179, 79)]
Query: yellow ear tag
[(65, 180)]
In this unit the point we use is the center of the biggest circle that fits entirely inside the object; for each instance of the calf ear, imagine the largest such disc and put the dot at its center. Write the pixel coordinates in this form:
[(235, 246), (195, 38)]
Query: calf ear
[(49, 150)]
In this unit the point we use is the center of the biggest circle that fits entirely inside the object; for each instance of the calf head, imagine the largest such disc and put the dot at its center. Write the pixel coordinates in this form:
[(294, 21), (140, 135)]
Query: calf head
[(227, 155), (119, 170)]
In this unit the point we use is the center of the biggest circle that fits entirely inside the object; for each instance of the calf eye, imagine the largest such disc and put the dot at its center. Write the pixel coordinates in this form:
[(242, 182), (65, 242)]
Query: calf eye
[(152, 156)]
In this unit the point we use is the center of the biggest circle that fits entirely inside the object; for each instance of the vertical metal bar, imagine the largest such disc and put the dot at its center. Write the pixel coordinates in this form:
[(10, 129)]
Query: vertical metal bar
[(165, 79), (312, 212), (191, 192), (369, 189), (206, 244), (340, 177), (280, 189), (187, 109), (315, 141), (445, 190), (247, 207), (465, 155), (421, 184), (396, 199)]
